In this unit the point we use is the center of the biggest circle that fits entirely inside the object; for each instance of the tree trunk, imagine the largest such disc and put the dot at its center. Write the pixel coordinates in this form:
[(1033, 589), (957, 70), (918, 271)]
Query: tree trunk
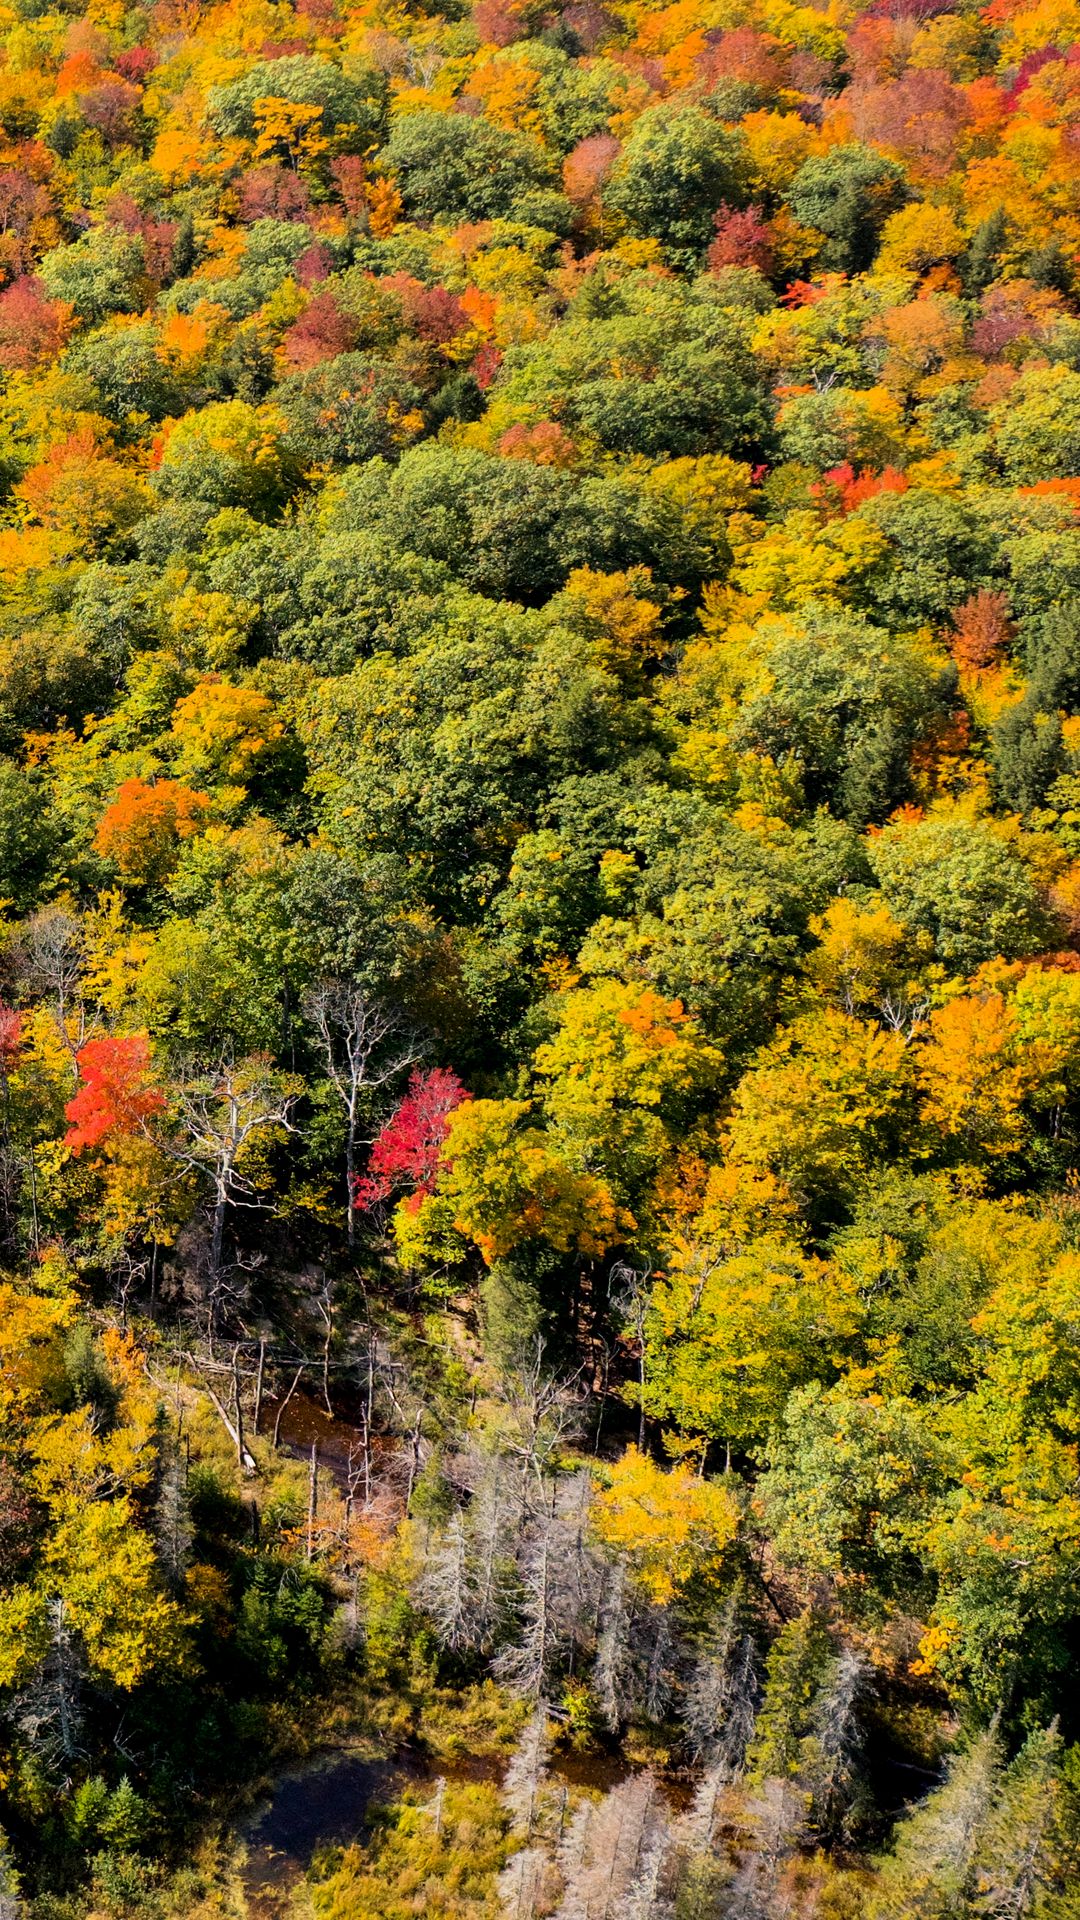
[(350, 1178), (259, 1385), (313, 1500)]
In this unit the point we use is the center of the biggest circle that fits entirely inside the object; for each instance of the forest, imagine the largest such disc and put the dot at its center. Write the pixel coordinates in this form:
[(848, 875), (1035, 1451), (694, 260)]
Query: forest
[(540, 956)]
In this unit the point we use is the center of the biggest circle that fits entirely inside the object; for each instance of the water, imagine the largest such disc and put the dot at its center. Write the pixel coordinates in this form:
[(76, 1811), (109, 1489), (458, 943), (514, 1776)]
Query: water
[(326, 1804), (322, 1805)]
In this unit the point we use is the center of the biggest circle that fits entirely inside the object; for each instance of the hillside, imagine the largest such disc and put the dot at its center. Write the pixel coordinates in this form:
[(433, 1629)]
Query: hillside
[(540, 957)]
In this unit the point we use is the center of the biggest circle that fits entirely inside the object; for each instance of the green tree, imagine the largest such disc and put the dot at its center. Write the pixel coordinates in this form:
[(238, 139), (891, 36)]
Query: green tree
[(351, 107), (933, 1869), (28, 836), (452, 167), (847, 1488), (100, 273), (1038, 434), (674, 171), (847, 194), (230, 454), (963, 884)]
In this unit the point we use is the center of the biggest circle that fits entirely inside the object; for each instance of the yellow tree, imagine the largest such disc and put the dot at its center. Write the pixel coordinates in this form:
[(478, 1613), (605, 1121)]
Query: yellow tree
[(672, 1526), (824, 1100), (622, 1078), (972, 1077), (504, 1181)]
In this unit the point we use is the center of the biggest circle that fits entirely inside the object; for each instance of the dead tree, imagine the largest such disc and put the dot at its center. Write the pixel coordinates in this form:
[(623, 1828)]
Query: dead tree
[(356, 1033), (221, 1117)]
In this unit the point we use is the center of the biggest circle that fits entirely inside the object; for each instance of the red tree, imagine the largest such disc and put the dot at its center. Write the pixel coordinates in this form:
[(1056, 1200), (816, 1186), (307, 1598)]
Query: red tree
[(32, 327), (11, 1026), (321, 333), (115, 1093), (273, 192), (406, 1153), (587, 166), (742, 240)]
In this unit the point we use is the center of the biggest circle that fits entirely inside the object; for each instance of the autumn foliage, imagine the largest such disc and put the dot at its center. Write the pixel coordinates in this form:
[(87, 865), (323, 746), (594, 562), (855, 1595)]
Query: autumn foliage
[(406, 1153), (141, 831), (540, 948), (116, 1094)]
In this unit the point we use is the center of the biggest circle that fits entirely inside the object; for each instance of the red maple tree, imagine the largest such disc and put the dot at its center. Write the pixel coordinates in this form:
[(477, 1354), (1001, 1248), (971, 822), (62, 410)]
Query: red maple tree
[(115, 1092), (406, 1152)]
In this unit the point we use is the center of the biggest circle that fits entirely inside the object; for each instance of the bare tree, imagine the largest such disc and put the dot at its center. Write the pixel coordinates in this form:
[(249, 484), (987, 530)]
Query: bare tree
[(837, 1739), (559, 1575), (172, 1518), (449, 1589), (526, 1772), (542, 1413), (619, 1858), (523, 1884), (582, 1569), (49, 1710), (356, 1032), (530, 1661), (774, 1823), (718, 1707), (221, 1116), (629, 1296), (491, 1519), (613, 1667), (50, 955)]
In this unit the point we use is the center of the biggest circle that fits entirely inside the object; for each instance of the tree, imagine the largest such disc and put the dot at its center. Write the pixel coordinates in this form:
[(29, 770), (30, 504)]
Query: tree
[(973, 1075), (675, 172), (847, 195), (963, 884), (505, 1183), (32, 327), (848, 702), (347, 109), (28, 836), (1039, 435), (730, 1334), (230, 454), (141, 831), (932, 1868), (797, 1662), (355, 1031), (848, 1484), (347, 408), (623, 1071), (821, 1104), (1027, 1849), (672, 1527), (116, 1093), (451, 167), (615, 1863), (224, 1122), (99, 274), (409, 1149)]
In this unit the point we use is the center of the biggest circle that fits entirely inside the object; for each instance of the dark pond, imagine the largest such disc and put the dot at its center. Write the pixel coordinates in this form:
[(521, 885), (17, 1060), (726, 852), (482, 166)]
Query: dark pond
[(321, 1805), (326, 1804)]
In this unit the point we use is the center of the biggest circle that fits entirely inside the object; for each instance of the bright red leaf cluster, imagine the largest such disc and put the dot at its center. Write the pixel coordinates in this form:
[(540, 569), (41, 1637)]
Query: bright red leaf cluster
[(116, 1094), (406, 1153)]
